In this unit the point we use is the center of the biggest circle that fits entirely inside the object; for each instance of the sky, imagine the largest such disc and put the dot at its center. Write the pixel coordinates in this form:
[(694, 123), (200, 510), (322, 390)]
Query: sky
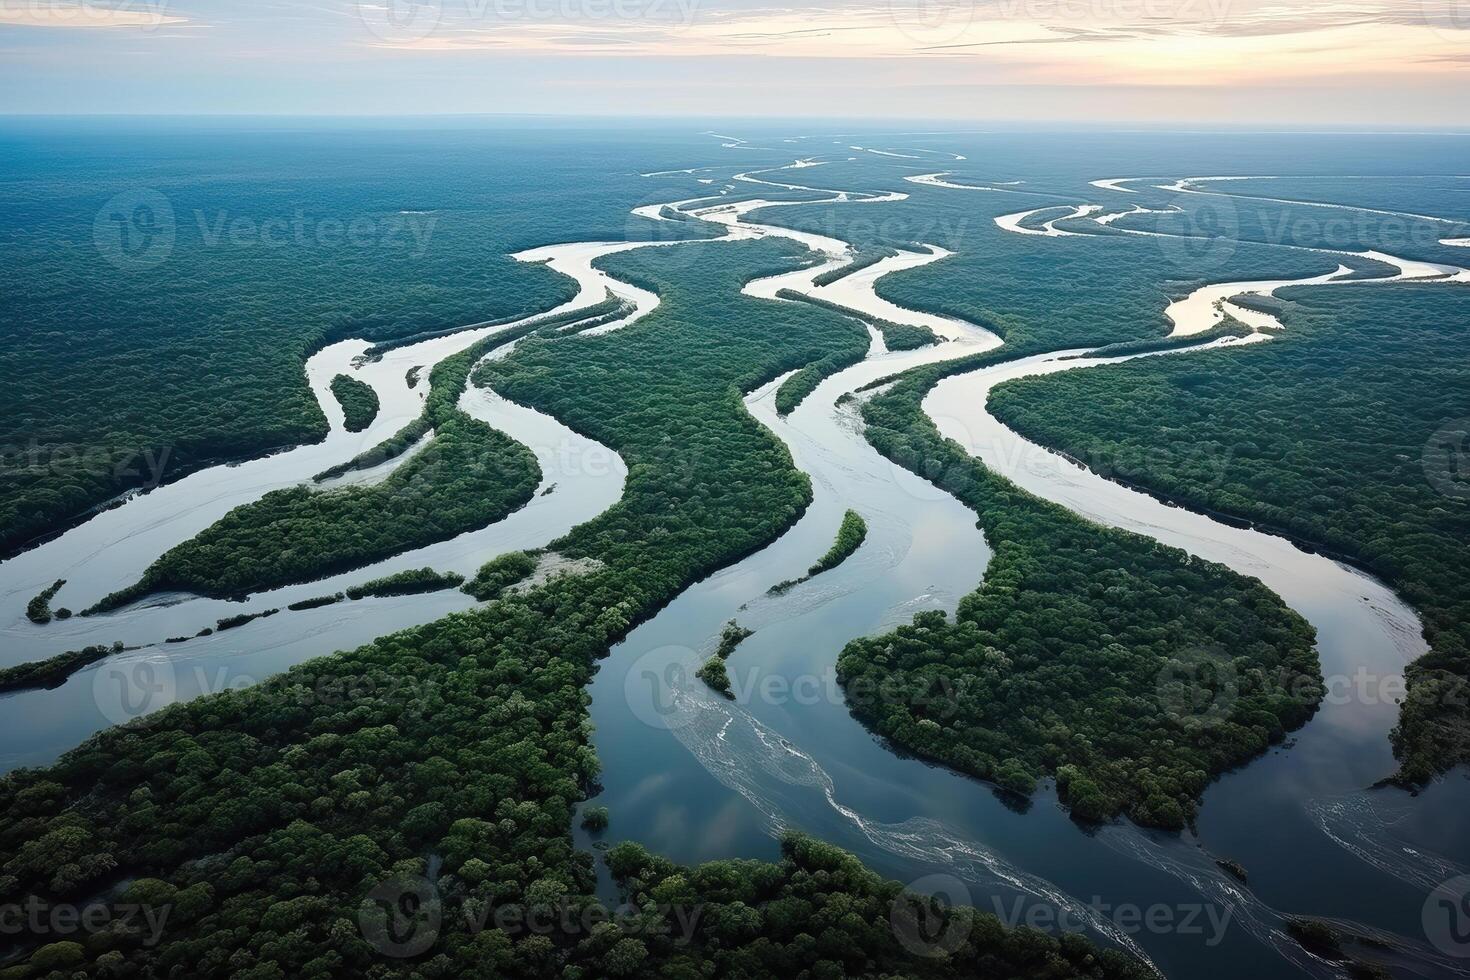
[(1375, 63)]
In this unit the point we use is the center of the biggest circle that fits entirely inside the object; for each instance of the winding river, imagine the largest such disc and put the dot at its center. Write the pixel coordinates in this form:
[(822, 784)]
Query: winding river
[(696, 776)]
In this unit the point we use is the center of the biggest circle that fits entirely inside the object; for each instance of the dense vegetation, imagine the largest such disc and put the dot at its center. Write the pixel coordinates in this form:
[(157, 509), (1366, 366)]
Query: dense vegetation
[(850, 536), (53, 671), (865, 259), (234, 252), (499, 574), (264, 817), (896, 336), (358, 400), (38, 610), (819, 913), (467, 477), (794, 390), (412, 581), (714, 672), (1326, 434), (1194, 670)]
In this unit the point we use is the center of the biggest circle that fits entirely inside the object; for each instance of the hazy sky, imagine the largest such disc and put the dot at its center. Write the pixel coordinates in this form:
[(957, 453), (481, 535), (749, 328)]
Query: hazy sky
[(1392, 63)]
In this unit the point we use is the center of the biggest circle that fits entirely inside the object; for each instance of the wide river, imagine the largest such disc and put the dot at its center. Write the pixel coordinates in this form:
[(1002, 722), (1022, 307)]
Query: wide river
[(696, 776)]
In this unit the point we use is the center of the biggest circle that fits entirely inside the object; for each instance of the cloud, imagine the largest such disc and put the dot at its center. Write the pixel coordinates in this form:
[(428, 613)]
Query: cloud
[(85, 14)]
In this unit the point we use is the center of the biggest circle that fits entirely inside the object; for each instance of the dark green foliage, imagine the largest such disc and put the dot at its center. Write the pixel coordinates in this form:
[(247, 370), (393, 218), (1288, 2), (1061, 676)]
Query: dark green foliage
[(317, 603), (1317, 938), (819, 913), (38, 610), (1230, 328), (413, 581), (468, 477), (731, 637), (358, 400), (124, 374), (866, 258), (714, 672), (1235, 869), (447, 383), (793, 390), (1323, 434), (53, 671), (235, 622), (850, 536), (896, 336), (1131, 672), (595, 818), (715, 675), (264, 816), (495, 576)]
